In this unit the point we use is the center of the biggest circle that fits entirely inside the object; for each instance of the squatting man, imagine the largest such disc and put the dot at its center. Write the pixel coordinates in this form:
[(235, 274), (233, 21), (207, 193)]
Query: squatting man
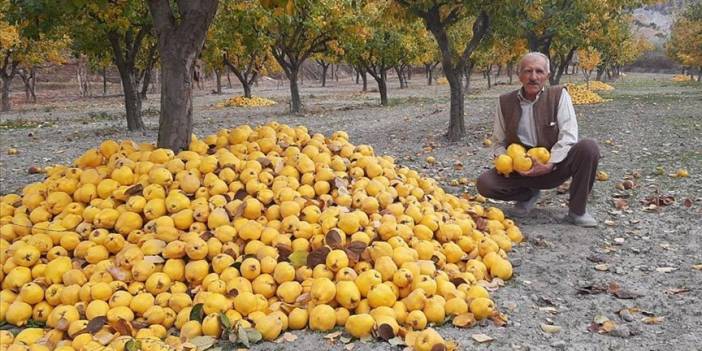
[(540, 116)]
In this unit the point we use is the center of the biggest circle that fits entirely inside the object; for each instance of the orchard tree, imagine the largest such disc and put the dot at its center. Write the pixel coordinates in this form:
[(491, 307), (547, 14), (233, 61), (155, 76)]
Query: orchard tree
[(22, 48), (557, 28), (428, 54), (685, 44), (376, 43), (238, 39), (588, 59), (181, 28), (300, 29), (439, 17)]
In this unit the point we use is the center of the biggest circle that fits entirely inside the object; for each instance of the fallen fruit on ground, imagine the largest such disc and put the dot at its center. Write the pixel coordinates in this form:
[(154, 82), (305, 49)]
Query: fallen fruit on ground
[(581, 95), (248, 233), (242, 101)]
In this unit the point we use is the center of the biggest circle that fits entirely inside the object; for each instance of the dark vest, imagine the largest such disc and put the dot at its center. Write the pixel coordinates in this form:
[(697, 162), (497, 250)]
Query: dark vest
[(545, 116)]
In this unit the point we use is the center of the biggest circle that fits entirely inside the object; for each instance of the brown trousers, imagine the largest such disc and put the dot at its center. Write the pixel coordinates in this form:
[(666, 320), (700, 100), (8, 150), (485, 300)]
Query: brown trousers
[(580, 164)]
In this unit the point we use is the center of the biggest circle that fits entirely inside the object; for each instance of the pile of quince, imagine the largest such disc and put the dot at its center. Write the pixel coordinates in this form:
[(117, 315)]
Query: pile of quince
[(597, 85), (517, 158), (248, 233), (581, 95), (681, 78), (242, 101)]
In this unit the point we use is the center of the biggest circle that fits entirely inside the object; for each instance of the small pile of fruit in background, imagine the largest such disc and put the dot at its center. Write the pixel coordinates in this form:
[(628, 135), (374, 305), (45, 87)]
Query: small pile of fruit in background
[(241, 101), (681, 78), (517, 158), (597, 85), (247, 234), (581, 95)]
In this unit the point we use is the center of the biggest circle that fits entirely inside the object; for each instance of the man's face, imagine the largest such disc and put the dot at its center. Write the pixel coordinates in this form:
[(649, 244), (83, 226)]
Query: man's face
[(533, 75)]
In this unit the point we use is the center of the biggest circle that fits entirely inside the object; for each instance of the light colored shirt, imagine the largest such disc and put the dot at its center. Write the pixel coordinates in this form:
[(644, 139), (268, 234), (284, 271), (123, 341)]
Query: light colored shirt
[(567, 126)]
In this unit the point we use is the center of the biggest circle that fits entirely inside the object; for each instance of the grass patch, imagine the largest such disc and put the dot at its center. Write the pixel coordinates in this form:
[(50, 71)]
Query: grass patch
[(23, 124)]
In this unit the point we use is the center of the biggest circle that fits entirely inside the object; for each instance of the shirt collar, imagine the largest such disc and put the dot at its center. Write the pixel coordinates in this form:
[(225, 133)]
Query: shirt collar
[(523, 99)]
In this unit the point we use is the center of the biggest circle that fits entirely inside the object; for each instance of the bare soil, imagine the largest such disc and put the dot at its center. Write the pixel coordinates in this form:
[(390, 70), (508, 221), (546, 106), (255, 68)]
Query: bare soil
[(651, 128)]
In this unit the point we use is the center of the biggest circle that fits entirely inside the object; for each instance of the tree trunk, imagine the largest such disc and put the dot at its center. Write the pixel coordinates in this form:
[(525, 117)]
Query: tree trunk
[(295, 103), (510, 69), (398, 71), (556, 78), (145, 84), (456, 129), (487, 74), (365, 80), (104, 81), (6, 81), (325, 68), (218, 78), (336, 73), (229, 80), (358, 76), (132, 99), (499, 71), (179, 44), (468, 73)]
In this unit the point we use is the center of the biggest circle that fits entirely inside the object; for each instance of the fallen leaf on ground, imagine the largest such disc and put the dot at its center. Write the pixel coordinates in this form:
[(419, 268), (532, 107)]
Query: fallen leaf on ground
[(481, 338), (697, 267), (289, 337), (550, 329), (620, 204), (675, 291), (602, 267), (620, 293), (687, 202), (665, 269), (653, 320)]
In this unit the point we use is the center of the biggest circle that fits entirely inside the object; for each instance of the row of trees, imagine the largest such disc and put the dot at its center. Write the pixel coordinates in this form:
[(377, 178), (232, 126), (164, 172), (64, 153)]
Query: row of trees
[(685, 45), (256, 37)]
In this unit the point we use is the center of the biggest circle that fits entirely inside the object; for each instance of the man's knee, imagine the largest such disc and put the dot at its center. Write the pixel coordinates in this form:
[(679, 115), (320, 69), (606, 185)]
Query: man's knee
[(485, 184), (589, 149)]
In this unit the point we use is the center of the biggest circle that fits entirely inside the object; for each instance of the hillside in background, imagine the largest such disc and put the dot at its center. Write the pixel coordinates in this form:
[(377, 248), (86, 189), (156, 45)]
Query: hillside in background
[(654, 22)]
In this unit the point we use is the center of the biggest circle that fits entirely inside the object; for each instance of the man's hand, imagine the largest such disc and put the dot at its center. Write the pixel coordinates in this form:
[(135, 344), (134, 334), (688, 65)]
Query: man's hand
[(538, 169)]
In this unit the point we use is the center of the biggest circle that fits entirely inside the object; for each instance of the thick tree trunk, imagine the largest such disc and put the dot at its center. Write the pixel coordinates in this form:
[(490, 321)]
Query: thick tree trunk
[(364, 78), (487, 74), (383, 90), (179, 44), (358, 76), (132, 99), (295, 103), (456, 129), (400, 77), (5, 105), (325, 68), (247, 90), (336, 73), (218, 78)]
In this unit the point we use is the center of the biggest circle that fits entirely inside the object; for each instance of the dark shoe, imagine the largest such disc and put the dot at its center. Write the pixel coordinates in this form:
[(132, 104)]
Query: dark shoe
[(585, 220)]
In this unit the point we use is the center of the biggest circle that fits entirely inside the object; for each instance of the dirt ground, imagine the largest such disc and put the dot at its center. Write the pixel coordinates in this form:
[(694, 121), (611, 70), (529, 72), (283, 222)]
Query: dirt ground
[(648, 256)]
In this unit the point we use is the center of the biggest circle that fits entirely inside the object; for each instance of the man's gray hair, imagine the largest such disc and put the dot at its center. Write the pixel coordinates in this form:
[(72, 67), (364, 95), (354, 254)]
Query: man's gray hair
[(532, 55)]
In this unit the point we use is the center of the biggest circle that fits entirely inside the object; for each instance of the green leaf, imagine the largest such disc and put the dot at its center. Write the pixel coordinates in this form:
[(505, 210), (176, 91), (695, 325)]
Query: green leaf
[(35, 324), (298, 259), (132, 345), (243, 336), (197, 313), (224, 320), (253, 335)]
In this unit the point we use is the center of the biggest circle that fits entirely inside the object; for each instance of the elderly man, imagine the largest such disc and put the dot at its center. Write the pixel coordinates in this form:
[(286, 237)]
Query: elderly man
[(532, 116)]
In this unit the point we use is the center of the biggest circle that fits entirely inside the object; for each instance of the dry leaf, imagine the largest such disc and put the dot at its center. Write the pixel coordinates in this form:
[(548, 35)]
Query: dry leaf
[(697, 267), (550, 329), (620, 204), (653, 320), (349, 347), (665, 269), (602, 267), (608, 326), (687, 202), (333, 335), (464, 320), (675, 291), (482, 338), (289, 337)]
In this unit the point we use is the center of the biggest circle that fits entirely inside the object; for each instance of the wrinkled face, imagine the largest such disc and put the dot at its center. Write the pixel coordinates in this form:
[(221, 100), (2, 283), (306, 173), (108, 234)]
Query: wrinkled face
[(533, 75)]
